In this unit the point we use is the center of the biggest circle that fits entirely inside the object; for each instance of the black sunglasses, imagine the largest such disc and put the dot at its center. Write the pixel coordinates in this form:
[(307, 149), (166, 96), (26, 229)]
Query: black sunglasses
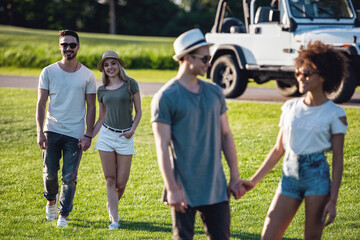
[(306, 74), (72, 45), (204, 59)]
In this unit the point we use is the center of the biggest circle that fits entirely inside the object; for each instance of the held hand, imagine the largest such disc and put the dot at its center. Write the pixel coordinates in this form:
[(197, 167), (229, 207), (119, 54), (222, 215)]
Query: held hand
[(127, 134), (330, 212), (248, 185), (81, 144), (177, 201), (235, 188), (84, 143), (240, 188), (41, 140), (232, 188)]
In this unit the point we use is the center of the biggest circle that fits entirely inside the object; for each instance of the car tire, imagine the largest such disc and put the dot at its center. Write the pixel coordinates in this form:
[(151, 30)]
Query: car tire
[(288, 89), (226, 73), (346, 89)]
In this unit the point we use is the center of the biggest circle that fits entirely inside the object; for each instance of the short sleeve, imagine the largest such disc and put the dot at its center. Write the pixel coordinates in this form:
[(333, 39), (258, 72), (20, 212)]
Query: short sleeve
[(224, 108), (283, 114), (99, 93), (44, 80), (134, 86), (91, 85), (337, 126), (161, 109)]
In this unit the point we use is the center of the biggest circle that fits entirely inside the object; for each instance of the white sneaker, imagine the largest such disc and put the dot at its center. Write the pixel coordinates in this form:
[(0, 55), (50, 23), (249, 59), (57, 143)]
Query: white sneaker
[(51, 210), (110, 217), (62, 222), (114, 225)]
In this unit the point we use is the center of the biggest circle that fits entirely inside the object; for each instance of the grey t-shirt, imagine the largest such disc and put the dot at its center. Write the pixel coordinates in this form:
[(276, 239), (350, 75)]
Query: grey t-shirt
[(196, 138), (118, 104)]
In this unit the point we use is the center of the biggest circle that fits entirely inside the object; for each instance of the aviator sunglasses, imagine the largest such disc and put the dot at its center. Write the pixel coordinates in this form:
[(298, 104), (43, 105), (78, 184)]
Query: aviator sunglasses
[(72, 45), (306, 73), (204, 59)]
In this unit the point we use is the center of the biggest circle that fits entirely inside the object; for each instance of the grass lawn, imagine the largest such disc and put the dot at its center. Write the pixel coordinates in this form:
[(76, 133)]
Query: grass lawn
[(143, 216)]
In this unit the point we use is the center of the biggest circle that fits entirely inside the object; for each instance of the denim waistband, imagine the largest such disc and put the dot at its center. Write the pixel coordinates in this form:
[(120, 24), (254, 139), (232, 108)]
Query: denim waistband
[(312, 157)]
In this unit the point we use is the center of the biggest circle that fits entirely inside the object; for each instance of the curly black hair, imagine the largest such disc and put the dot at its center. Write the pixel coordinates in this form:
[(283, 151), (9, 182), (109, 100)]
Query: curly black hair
[(329, 62)]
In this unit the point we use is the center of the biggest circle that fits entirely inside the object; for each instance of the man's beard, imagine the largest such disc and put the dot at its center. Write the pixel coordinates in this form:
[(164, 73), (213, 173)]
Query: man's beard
[(70, 56)]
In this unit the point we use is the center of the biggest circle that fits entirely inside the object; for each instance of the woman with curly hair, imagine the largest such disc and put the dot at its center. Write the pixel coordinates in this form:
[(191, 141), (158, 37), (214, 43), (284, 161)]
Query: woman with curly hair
[(310, 127)]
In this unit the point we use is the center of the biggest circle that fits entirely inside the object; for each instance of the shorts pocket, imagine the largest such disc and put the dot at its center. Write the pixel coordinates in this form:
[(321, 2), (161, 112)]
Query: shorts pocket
[(315, 169)]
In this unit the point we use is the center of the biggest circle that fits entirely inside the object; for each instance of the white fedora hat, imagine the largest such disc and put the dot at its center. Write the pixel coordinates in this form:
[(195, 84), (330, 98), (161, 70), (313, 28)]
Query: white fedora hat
[(188, 42)]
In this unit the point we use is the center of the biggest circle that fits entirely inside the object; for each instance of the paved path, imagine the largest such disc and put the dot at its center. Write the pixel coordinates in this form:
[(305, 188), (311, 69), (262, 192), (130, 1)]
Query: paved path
[(148, 89)]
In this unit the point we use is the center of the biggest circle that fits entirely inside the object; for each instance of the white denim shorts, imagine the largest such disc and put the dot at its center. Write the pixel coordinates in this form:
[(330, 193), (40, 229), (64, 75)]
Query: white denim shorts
[(110, 141)]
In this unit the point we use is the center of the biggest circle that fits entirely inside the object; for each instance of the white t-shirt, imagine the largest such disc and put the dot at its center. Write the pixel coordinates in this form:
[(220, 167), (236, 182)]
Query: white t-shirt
[(308, 129), (66, 110)]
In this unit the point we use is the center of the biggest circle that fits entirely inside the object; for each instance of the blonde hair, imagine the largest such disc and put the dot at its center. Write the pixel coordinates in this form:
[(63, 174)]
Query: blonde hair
[(123, 76)]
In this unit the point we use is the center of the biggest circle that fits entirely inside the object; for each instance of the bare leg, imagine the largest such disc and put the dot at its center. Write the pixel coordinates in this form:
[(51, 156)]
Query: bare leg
[(281, 212), (123, 173), (108, 162), (314, 207)]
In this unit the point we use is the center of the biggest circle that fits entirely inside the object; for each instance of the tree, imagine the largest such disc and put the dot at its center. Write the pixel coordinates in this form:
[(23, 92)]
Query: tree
[(112, 17), (81, 15), (146, 17), (138, 17), (112, 12)]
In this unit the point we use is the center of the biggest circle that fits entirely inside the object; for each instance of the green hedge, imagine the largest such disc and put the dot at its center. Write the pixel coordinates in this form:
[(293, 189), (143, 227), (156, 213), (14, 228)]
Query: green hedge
[(35, 58), (37, 49)]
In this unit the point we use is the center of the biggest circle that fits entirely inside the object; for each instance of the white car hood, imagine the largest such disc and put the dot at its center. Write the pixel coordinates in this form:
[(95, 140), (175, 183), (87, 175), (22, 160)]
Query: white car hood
[(334, 36)]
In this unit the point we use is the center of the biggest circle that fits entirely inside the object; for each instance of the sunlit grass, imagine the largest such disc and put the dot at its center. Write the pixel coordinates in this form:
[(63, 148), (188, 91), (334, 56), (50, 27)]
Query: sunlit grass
[(143, 216)]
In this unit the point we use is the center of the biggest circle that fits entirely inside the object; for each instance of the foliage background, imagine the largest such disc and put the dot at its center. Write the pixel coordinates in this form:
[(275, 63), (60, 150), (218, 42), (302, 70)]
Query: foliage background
[(133, 17)]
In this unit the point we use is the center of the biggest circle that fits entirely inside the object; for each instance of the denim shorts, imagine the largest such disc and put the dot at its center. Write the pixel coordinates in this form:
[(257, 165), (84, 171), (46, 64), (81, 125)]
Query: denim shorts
[(110, 141), (313, 178)]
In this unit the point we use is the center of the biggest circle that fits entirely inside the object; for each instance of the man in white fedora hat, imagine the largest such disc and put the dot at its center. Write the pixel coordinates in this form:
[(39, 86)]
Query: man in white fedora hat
[(189, 116)]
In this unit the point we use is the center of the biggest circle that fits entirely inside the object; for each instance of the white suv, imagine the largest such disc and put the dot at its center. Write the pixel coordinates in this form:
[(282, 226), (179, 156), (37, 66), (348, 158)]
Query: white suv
[(265, 46)]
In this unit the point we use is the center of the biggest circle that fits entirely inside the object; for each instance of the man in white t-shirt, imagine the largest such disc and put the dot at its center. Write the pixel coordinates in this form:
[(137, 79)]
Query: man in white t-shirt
[(70, 85)]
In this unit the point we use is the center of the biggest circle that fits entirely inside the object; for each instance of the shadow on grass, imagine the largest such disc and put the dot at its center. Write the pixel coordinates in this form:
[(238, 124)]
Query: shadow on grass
[(157, 227), (145, 226), (253, 236), (153, 227), (128, 225), (82, 223)]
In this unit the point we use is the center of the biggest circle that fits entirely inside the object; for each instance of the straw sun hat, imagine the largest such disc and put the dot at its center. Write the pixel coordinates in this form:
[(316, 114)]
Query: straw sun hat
[(107, 55), (188, 42)]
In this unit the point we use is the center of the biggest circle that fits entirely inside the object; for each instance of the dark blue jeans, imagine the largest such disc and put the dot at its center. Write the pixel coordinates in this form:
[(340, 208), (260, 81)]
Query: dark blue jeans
[(216, 220), (61, 145)]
